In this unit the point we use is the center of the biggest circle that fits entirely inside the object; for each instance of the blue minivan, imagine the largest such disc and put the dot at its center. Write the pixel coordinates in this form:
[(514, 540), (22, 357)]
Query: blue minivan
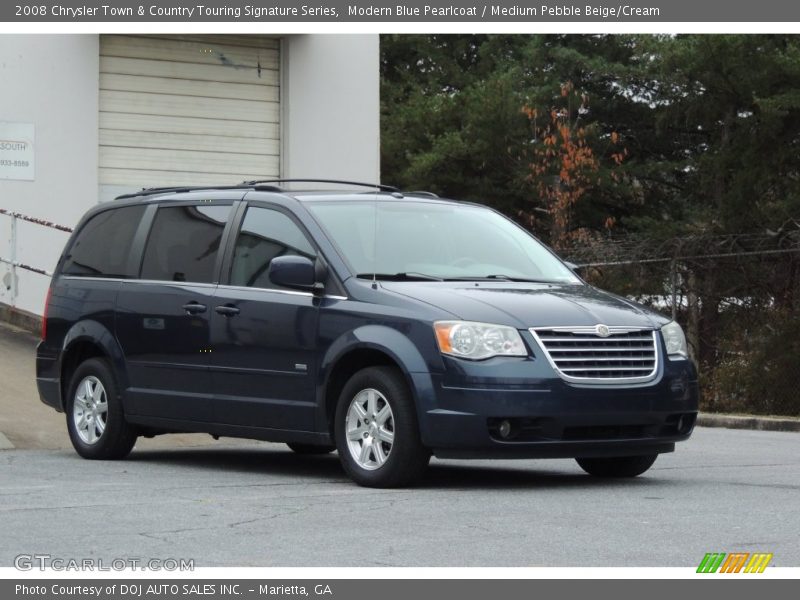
[(387, 326)]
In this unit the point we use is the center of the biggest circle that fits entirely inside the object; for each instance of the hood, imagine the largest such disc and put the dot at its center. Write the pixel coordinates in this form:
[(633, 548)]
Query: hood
[(524, 305)]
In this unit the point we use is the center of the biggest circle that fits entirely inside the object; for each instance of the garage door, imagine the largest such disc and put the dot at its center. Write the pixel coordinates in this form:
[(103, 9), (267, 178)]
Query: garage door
[(184, 110)]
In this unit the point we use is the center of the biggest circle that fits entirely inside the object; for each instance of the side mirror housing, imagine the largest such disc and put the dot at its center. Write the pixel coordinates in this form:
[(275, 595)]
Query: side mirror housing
[(297, 272)]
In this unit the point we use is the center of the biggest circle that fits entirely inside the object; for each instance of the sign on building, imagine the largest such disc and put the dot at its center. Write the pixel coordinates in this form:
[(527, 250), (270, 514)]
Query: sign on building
[(16, 151)]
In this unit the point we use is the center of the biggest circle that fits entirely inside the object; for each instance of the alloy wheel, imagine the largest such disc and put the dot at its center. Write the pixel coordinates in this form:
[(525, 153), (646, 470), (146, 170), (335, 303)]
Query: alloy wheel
[(369, 429), (90, 409)]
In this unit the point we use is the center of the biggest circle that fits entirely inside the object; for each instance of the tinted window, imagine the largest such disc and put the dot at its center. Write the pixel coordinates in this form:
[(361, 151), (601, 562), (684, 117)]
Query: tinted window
[(103, 245), (265, 234), (184, 242)]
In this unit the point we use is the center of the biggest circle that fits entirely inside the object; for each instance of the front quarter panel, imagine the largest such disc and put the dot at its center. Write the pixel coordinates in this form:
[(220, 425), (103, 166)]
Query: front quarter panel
[(408, 342)]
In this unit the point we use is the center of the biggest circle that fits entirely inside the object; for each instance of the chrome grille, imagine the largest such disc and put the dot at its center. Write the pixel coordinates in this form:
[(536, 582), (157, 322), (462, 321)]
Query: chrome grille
[(581, 354)]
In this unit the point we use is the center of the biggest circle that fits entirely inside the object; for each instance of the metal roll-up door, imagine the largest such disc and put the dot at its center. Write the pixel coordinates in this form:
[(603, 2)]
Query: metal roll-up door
[(188, 110)]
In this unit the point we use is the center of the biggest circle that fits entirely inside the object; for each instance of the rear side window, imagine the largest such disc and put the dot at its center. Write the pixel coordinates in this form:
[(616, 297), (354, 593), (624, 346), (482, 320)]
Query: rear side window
[(102, 247), (184, 242), (265, 234)]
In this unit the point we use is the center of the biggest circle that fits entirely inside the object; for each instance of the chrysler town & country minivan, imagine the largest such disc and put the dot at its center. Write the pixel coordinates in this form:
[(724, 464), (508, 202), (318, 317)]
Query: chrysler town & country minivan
[(387, 326)]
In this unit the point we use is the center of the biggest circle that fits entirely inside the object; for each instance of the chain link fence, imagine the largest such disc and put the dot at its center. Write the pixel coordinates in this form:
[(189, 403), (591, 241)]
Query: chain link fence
[(737, 298)]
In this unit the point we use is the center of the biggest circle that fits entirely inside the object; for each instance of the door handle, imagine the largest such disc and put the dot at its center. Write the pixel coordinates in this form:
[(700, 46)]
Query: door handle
[(227, 310), (194, 308)]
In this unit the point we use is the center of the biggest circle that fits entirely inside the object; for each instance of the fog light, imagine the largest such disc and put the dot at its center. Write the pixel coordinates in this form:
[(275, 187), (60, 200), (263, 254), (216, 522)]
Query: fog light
[(686, 423), (505, 428)]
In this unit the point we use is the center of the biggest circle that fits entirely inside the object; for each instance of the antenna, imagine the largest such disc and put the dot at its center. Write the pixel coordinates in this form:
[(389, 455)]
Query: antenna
[(375, 242)]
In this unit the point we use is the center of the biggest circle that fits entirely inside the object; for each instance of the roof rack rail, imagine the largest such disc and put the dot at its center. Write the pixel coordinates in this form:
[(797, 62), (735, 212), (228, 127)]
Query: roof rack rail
[(263, 184), (422, 193), (378, 186), (176, 188)]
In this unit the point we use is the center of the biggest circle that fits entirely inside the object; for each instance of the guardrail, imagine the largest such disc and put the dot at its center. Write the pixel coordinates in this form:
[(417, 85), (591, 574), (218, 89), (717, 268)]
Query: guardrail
[(12, 260)]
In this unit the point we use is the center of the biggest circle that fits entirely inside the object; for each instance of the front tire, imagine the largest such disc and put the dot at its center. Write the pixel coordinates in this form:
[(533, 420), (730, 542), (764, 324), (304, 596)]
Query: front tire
[(617, 466), (376, 430), (95, 419)]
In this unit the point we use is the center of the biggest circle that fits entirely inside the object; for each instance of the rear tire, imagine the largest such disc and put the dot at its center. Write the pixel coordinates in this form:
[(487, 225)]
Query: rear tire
[(376, 430), (310, 448), (617, 466), (95, 418)]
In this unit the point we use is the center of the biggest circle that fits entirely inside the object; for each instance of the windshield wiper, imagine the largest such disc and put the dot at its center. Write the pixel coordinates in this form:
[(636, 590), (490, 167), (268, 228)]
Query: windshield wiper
[(405, 276), (500, 277), (503, 277)]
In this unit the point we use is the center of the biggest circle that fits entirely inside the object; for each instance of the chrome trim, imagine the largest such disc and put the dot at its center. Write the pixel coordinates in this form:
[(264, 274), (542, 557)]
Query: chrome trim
[(277, 291), (593, 339), (592, 329), (245, 288), (194, 284), (136, 280), (613, 330), (82, 278)]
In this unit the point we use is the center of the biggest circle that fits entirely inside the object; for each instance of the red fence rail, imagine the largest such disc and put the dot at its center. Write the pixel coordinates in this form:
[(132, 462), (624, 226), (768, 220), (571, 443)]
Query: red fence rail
[(12, 261), (42, 222)]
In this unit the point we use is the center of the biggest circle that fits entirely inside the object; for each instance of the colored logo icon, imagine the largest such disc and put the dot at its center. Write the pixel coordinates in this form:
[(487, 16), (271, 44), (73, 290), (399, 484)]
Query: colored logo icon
[(735, 562)]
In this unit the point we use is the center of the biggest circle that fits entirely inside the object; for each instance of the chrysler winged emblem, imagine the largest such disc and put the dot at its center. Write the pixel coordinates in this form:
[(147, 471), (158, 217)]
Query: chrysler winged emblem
[(602, 330)]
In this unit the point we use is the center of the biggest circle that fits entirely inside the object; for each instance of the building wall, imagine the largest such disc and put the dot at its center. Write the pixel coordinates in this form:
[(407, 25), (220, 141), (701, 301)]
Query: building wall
[(331, 107), (51, 81), (330, 129)]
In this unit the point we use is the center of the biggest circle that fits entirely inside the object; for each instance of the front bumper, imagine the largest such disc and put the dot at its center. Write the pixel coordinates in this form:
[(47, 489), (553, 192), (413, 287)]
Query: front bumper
[(462, 409)]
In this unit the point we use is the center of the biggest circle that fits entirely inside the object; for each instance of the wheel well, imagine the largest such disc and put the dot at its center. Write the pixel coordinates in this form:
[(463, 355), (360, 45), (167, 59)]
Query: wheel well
[(77, 354), (345, 368)]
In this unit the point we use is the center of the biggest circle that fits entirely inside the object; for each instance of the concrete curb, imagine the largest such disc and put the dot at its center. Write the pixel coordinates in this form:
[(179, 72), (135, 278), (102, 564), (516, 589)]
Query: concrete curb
[(20, 318), (5, 444), (748, 422)]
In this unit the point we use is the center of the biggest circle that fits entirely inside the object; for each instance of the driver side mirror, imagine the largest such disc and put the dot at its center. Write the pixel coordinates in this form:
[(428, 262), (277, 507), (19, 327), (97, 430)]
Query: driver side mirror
[(297, 272)]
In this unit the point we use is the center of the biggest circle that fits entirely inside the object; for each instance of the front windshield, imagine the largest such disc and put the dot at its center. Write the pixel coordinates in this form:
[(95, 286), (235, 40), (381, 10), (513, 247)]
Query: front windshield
[(428, 239)]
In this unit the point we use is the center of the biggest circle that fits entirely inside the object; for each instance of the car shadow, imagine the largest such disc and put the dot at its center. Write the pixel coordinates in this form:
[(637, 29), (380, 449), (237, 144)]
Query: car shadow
[(440, 475), (252, 460), (465, 476)]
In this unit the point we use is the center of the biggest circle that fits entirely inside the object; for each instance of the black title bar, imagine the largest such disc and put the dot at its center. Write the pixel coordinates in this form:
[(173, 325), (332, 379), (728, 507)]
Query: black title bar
[(504, 11)]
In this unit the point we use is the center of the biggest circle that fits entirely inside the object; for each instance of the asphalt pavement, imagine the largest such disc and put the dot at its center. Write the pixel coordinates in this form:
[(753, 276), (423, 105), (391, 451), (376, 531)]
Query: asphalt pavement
[(231, 503)]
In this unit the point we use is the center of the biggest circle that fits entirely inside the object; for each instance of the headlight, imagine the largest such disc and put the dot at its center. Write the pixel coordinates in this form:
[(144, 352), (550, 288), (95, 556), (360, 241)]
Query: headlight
[(476, 341), (674, 340)]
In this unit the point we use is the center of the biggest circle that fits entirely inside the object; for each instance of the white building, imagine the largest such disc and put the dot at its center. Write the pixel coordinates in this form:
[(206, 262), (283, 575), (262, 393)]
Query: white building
[(110, 114)]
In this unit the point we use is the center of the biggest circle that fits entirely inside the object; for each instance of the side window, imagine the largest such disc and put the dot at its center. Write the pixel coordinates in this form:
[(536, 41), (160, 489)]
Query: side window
[(183, 243), (265, 234), (103, 245)]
